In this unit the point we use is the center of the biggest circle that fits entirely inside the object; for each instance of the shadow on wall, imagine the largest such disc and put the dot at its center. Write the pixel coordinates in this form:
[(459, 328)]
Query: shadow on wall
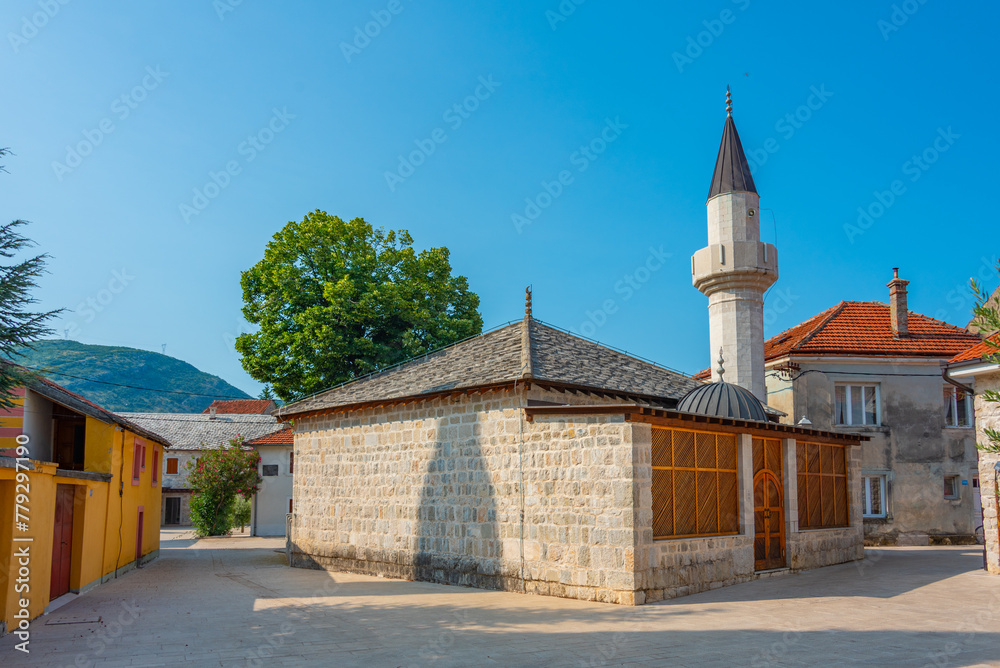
[(457, 534)]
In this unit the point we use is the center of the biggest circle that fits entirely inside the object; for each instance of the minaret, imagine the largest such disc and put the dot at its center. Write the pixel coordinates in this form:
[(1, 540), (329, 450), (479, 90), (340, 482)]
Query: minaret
[(735, 269)]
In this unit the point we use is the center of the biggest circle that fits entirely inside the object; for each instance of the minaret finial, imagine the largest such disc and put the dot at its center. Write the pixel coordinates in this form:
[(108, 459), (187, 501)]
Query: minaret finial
[(527, 302), (721, 369), (729, 102)]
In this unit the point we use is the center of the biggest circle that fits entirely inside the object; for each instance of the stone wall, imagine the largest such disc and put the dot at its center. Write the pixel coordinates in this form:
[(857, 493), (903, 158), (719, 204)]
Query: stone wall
[(988, 416), (431, 491)]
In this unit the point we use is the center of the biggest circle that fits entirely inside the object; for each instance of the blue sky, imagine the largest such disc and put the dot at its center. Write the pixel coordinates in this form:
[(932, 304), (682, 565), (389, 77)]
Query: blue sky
[(120, 113)]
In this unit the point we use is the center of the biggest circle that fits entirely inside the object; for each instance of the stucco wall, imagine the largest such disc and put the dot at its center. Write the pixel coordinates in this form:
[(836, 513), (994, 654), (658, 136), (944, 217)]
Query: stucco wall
[(912, 446), (271, 503)]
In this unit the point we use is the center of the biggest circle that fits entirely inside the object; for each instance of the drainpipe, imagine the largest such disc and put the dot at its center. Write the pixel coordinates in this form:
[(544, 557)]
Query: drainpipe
[(944, 374)]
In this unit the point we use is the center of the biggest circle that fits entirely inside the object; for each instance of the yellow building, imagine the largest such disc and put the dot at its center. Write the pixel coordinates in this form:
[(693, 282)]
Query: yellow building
[(79, 499)]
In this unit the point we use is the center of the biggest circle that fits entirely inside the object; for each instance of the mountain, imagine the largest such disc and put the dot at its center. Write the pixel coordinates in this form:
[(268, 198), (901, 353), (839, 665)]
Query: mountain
[(189, 390)]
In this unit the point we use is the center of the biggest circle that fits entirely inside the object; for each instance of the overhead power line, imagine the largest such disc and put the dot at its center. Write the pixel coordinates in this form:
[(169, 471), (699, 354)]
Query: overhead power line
[(136, 387)]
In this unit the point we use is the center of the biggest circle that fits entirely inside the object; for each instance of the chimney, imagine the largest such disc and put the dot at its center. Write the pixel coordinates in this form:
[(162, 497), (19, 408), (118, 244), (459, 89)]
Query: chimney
[(897, 304), (211, 409)]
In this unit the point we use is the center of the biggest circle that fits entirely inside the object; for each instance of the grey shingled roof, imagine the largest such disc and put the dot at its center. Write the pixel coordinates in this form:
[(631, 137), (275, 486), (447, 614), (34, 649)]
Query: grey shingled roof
[(732, 172), (195, 431), (495, 358)]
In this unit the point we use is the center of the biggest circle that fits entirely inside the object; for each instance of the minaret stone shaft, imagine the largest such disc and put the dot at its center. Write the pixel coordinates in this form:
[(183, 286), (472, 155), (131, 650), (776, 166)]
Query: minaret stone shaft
[(735, 269)]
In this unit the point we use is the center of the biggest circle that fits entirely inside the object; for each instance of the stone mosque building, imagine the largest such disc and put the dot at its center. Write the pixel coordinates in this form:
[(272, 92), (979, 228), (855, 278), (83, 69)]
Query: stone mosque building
[(530, 459)]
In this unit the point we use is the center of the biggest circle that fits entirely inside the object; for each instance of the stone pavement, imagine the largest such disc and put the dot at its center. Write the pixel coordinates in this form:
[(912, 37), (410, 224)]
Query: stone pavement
[(233, 602)]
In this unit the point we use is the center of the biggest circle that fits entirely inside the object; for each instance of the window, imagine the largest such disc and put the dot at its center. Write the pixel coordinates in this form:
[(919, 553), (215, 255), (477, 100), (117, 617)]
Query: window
[(694, 484), (822, 478), (289, 505), (951, 487), (856, 405), (270, 469), (291, 463), (142, 457), (171, 465), (137, 446), (957, 407), (873, 503), (156, 466)]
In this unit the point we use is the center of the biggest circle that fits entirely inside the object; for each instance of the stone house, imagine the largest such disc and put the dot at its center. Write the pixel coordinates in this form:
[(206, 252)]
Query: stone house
[(190, 434), (530, 459), (978, 370), (875, 369)]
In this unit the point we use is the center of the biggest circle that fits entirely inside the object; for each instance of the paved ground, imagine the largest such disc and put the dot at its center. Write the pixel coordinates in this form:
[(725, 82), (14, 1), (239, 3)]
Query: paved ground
[(234, 602)]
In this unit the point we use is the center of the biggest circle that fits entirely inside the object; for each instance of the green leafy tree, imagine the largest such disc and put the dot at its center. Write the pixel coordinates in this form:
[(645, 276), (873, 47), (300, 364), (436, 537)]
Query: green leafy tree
[(338, 299), (217, 480), (20, 326), (240, 513), (987, 321)]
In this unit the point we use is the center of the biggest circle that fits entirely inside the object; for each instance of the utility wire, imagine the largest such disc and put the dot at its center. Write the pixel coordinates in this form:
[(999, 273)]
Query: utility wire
[(136, 387)]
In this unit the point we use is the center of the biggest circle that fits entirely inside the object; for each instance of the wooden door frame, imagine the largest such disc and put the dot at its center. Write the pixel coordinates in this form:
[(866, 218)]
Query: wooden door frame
[(779, 485), (61, 554)]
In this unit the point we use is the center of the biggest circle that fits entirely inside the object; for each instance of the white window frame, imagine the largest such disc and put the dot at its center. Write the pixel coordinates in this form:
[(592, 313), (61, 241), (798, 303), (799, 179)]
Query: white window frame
[(952, 408), (867, 480), (957, 486), (847, 401)]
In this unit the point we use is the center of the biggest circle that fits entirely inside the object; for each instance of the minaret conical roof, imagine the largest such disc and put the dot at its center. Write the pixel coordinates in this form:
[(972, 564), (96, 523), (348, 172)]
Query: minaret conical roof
[(732, 173)]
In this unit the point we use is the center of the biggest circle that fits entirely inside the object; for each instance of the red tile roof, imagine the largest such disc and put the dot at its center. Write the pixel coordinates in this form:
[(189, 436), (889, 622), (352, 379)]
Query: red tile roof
[(864, 329), (284, 436), (978, 351), (242, 406)]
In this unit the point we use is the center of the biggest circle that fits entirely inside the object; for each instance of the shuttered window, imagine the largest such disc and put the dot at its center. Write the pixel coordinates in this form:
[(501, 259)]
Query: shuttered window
[(822, 478), (695, 488)]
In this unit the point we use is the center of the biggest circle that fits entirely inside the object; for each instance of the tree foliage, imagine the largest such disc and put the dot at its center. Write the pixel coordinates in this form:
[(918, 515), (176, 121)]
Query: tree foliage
[(221, 476), (20, 326), (987, 320), (338, 299)]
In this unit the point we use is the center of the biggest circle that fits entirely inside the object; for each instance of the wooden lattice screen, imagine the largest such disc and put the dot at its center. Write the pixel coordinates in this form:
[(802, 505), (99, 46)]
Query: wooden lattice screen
[(695, 490), (822, 478)]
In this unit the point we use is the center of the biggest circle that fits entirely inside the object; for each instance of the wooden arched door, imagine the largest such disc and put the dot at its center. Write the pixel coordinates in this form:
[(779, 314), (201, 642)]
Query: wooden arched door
[(769, 505)]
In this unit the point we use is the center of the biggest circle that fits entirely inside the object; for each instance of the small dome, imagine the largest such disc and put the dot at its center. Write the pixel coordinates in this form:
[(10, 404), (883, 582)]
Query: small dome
[(723, 400)]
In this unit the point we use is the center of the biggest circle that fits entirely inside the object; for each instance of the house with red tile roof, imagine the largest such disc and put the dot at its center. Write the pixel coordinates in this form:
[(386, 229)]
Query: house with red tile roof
[(273, 501), (242, 406), (978, 370), (875, 369)]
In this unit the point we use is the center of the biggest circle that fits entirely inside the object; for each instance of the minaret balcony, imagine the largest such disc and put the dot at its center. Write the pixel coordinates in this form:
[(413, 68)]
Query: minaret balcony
[(734, 264)]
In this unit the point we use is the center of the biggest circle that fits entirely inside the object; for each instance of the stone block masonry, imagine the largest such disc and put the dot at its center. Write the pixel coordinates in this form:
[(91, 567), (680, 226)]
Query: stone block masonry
[(435, 491), (432, 491)]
